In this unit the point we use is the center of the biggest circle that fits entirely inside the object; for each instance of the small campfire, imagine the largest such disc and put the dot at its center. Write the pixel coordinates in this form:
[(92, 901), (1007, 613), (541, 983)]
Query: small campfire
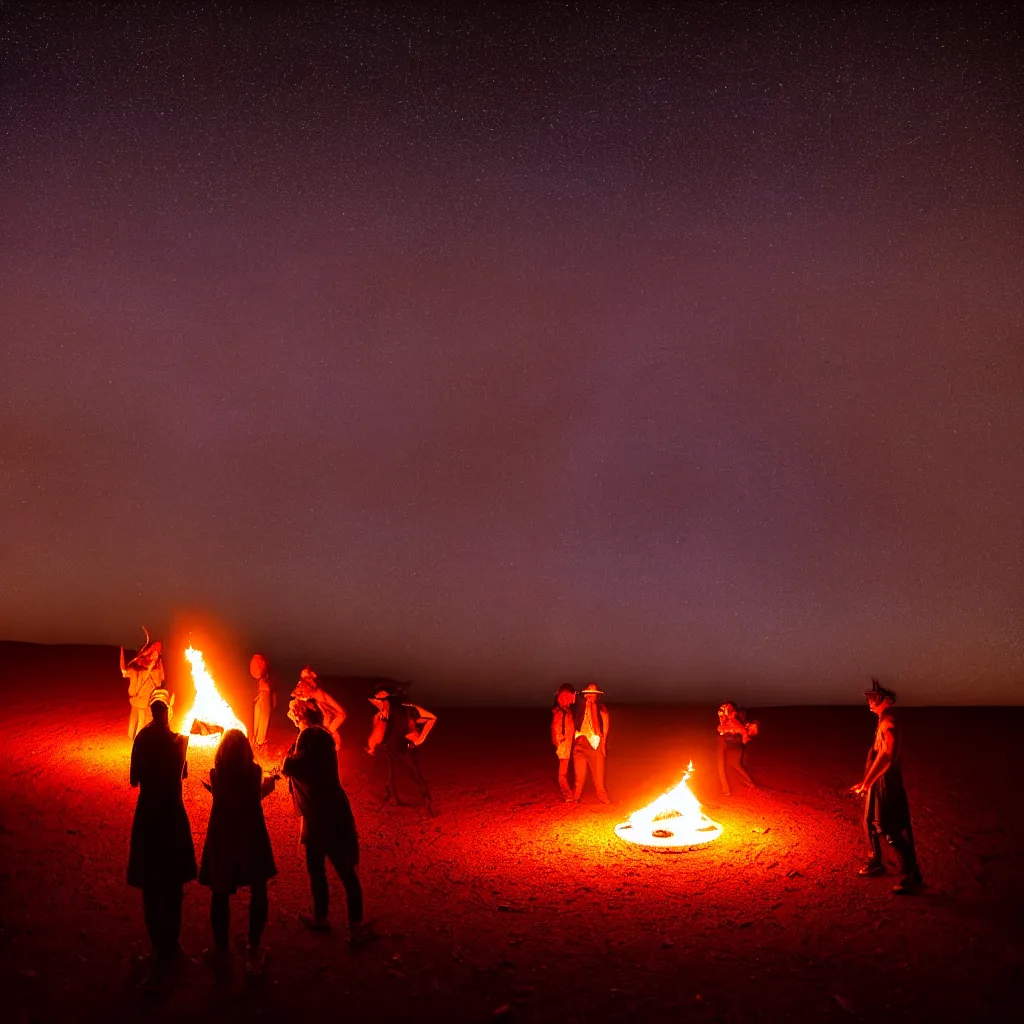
[(211, 715), (674, 821)]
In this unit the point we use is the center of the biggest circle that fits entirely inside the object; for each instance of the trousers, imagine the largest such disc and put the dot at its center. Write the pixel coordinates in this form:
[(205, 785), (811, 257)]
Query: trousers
[(316, 857), (410, 764), (584, 756)]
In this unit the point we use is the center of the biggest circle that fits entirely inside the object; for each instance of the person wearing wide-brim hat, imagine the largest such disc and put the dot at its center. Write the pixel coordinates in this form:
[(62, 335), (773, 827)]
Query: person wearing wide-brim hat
[(400, 728), (161, 857), (886, 808), (590, 744)]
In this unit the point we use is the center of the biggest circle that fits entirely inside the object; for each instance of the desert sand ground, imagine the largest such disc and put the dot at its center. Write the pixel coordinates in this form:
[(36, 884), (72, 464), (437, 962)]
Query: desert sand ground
[(511, 905)]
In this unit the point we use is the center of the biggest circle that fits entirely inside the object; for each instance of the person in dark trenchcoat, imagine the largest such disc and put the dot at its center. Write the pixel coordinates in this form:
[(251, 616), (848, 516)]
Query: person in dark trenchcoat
[(161, 857), (328, 828), (237, 852)]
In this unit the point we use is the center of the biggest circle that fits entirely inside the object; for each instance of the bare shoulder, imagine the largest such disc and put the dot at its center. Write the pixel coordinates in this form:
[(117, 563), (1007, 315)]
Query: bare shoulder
[(887, 722)]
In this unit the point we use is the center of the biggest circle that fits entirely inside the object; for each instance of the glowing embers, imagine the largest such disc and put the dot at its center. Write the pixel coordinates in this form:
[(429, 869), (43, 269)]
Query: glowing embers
[(674, 821), (210, 716)]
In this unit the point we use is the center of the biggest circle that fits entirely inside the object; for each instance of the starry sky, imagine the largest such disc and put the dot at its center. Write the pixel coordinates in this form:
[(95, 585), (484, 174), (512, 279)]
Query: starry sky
[(677, 350)]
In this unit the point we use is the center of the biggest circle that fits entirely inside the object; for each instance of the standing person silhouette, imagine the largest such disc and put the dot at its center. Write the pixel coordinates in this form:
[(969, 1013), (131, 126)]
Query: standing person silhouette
[(886, 808), (237, 851), (590, 743), (734, 733), (264, 702), (400, 729), (328, 828), (563, 735), (145, 674), (308, 688), (161, 857)]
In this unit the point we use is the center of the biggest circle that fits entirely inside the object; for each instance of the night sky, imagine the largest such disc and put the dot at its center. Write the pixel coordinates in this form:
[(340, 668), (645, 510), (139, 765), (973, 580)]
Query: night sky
[(678, 351)]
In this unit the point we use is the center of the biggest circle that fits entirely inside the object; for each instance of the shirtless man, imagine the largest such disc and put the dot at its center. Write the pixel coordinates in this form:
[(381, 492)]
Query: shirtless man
[(886, 810)]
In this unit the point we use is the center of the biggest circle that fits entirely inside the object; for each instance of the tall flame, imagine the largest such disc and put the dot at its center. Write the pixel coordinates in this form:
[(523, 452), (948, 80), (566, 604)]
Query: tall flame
[(673, 821), (209, 706)]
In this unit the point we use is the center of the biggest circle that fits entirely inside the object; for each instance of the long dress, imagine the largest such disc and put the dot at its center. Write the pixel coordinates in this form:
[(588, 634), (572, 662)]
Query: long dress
[(237, 850), (161, 852)]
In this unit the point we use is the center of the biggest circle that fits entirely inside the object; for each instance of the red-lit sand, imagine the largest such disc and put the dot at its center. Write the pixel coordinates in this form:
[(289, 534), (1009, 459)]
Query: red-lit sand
[(510, 903)]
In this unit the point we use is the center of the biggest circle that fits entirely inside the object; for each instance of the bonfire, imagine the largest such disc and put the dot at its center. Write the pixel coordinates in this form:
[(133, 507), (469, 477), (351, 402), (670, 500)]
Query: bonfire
[(211, 716), (674, 821)]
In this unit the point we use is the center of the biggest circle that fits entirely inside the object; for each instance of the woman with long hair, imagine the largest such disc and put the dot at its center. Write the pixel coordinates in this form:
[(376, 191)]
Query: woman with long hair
[(237, 851)]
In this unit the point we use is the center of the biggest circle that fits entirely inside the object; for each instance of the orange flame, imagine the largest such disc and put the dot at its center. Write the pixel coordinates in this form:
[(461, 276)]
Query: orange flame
[(209, 706), (673, 821)]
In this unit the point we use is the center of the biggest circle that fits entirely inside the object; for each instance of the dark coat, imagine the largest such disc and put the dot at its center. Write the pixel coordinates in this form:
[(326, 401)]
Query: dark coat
[(161, 852), (237, 849), (312, 772)]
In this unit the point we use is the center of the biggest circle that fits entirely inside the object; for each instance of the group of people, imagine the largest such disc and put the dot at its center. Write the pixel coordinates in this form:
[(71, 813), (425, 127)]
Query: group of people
[(237, 852), (579, 734)]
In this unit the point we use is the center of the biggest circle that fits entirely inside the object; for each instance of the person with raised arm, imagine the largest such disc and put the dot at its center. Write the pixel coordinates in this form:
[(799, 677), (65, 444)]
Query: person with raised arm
[(308, 688), (401, 729), (145, 673)]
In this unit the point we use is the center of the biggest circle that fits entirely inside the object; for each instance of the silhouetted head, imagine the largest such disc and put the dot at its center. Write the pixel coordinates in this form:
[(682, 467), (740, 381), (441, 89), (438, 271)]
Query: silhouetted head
[(565, 696), (234, 751), (591, 692), (257, 666), (158, 707), (727, 710), (878, 697), (308, 713)]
